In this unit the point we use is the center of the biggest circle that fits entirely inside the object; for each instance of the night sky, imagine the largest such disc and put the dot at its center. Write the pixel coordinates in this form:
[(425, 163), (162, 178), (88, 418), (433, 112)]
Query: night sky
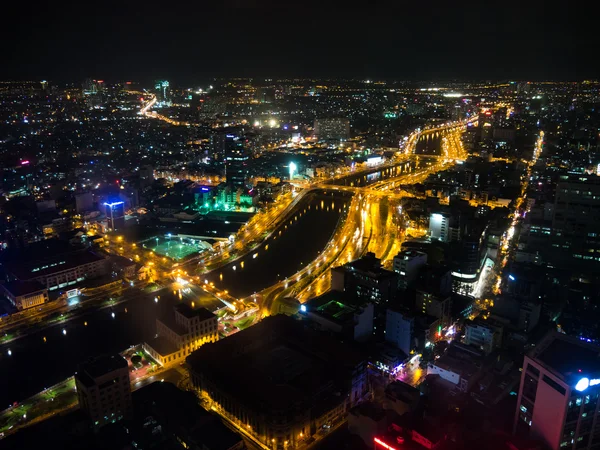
[(387, 40)]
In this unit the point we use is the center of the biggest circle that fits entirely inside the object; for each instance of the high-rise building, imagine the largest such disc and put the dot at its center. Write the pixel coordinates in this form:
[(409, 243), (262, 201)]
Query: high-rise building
[(576, 217), (90, 87), (400, 328), (115, 215), (364, 280), (407, 264), (84, 202), (236, 164), (433, 293), (558, 396), (104, 390), (439, 226), (434, 305), (162, 91), (332, 129)]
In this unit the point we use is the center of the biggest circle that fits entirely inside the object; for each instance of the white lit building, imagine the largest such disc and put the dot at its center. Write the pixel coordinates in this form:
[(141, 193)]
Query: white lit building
[(558, 395), (439, 226), (399, 329), (486, 335)]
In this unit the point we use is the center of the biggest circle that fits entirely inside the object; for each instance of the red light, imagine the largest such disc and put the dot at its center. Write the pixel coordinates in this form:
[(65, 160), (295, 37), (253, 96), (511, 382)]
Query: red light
[(383, 444), (24, 163), (100, 81), (128, 82), (117, 181)]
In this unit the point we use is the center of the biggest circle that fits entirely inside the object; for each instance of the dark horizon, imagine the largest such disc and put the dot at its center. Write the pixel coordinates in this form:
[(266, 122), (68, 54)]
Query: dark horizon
[(308, 40)]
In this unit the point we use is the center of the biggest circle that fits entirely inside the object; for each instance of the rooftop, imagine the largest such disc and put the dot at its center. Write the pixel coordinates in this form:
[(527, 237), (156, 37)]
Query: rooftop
[(567, 356), (369, 409), (370, 265), (18, 287), (25, 270), (188, 312), (283, 361), (407, 254), (402, 391), (98, 367), (331, 305)]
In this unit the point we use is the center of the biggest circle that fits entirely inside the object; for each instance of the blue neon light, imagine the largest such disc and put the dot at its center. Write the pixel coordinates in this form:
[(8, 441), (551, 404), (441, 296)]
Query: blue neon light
[(113, 204)]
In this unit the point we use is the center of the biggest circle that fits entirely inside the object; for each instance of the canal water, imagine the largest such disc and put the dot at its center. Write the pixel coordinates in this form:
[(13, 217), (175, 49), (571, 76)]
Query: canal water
[(297, 242)]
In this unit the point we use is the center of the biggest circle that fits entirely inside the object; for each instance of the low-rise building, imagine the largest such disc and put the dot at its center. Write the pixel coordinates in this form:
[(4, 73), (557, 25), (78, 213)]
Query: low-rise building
[(180, 333), (55, 264), (279, 380), (461, 365), (330, 312), (366, 421), (124, 267), (25, 294), (401, 398), (486, 335)]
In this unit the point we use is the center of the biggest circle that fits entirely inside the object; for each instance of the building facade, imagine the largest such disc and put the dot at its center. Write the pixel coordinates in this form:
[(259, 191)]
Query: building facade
[(115, 215), (332, 129), (181, 333), (400, 329), (364, 280), (25, 294), (558, 396), (407, 265), (486, 335), (439, 227), (279, 380), (104, 390), (435, 305)]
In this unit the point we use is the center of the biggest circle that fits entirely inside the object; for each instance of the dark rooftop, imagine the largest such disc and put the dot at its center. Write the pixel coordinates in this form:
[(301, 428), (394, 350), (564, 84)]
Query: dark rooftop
[(369, 409), (283, 361), (99, 366), (188, 312), (26, 270), (331, 305), (568, 356), (18, 287), (402, 391)]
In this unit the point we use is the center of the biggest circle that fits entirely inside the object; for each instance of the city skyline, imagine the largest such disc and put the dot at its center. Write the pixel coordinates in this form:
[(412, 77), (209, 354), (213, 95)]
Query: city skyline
[(248, 225)]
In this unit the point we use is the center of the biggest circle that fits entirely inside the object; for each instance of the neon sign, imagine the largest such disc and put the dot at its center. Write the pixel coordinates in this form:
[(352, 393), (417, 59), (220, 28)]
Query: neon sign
[(383, 444), (585, 383)]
